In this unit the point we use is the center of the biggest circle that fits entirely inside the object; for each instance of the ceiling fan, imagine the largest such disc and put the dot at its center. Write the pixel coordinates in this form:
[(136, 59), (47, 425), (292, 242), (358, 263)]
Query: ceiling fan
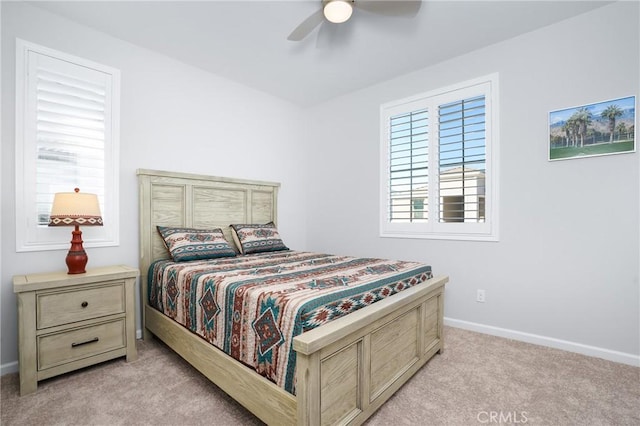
[(339, 11)]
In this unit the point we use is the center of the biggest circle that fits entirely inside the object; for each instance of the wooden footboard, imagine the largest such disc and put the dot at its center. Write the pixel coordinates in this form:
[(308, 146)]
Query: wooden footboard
[(346, 369)]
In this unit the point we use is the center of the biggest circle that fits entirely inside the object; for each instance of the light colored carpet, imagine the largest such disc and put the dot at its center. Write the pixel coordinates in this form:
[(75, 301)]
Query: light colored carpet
[(478, 379)]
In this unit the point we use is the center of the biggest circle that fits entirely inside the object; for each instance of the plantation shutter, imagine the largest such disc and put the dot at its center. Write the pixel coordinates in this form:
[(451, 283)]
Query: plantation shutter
[(462, 160), (67, 136), (408, 167), (70, 132), (438, 161)]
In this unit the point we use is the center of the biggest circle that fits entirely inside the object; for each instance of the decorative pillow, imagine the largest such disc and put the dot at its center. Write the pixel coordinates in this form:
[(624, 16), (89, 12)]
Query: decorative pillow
[(257, 238), (195, 244)]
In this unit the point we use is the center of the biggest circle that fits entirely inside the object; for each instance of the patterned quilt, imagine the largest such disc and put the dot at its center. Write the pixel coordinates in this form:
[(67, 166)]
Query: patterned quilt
[(252, 307)]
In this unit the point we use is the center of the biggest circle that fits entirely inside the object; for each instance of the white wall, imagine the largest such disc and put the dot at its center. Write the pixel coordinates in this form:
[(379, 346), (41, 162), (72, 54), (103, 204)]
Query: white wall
[(173, 117), (565, 271)]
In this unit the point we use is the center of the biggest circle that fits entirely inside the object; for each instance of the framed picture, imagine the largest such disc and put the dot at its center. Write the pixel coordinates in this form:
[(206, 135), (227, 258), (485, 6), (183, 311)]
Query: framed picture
[(601, 128)]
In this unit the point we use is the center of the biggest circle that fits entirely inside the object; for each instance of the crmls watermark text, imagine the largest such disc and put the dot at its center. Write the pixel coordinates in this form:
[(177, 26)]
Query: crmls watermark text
[(502, 417)]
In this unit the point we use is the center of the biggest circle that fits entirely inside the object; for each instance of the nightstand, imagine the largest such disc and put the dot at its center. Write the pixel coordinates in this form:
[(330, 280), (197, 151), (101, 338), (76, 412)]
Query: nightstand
[(66, 322)]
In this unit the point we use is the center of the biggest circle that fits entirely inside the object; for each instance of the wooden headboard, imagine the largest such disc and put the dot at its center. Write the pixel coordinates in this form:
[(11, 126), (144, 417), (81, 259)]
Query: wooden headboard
[(197, 201)]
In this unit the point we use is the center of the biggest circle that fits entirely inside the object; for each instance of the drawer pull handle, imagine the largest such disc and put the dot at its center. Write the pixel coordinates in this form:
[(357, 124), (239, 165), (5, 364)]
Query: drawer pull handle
[(75, 345), (84, 304)]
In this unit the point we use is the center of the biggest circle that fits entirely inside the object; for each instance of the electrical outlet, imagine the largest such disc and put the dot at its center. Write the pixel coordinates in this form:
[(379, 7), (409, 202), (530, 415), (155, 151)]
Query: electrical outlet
[(480, 296)]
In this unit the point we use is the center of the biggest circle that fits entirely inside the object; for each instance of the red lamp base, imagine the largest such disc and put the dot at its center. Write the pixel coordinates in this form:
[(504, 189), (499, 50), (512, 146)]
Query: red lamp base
[(76, 258)]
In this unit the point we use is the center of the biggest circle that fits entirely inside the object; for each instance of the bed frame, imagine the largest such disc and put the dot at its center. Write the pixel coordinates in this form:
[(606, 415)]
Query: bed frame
[(346, 369)]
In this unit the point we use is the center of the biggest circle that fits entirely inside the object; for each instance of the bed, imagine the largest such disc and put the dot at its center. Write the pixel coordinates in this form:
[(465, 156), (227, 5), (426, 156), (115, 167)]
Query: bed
[(344, 369)]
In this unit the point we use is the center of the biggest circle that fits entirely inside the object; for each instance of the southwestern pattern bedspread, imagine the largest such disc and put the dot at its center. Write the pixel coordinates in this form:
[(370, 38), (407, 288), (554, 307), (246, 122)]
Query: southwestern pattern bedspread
[(252, 307)]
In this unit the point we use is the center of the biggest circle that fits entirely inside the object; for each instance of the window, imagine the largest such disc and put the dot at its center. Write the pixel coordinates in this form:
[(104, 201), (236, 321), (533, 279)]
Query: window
[(67, 126), (439, 163)]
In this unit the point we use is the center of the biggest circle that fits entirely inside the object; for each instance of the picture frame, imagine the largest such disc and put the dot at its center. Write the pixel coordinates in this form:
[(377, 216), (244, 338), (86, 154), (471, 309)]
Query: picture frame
[(590, 130)]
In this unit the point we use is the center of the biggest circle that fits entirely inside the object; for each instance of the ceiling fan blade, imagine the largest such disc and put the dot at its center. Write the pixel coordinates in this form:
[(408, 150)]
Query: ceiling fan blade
[(406, 8), (307, 26)]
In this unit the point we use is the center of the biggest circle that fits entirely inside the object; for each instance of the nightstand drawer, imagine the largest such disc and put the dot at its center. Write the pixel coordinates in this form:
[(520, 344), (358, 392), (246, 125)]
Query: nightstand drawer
[(68, 346), (81, 304)]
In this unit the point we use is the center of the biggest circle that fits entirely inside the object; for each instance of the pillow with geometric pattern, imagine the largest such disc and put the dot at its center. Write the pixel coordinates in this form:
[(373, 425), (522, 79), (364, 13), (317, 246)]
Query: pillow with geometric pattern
[(195, 244), (252, 238)]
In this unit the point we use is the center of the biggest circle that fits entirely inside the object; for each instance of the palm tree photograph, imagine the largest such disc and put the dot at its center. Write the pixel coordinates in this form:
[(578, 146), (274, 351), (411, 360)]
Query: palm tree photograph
[(601, 128)]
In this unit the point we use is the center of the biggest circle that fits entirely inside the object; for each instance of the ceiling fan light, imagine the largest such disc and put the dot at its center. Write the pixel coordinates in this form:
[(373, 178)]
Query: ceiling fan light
[(338, 11)]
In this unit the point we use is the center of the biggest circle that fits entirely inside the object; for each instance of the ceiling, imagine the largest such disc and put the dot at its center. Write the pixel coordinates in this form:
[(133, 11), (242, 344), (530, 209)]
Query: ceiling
[(246, 41)]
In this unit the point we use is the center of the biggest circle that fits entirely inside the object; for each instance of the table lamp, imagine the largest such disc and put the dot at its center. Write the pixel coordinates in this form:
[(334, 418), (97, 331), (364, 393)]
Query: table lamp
[(75, 209)]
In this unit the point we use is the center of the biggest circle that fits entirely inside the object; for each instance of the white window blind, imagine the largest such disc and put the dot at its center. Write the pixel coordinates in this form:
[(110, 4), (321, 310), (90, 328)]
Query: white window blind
[(67, 137), (439, 163)]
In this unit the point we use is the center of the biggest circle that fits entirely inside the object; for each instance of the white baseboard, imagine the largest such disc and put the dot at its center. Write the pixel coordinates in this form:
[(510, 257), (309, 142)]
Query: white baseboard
[(8, 368), (621, 357)]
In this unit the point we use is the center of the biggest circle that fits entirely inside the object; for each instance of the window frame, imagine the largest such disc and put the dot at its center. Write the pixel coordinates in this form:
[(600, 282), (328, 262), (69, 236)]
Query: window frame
[(433, 228), (29, 235)]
